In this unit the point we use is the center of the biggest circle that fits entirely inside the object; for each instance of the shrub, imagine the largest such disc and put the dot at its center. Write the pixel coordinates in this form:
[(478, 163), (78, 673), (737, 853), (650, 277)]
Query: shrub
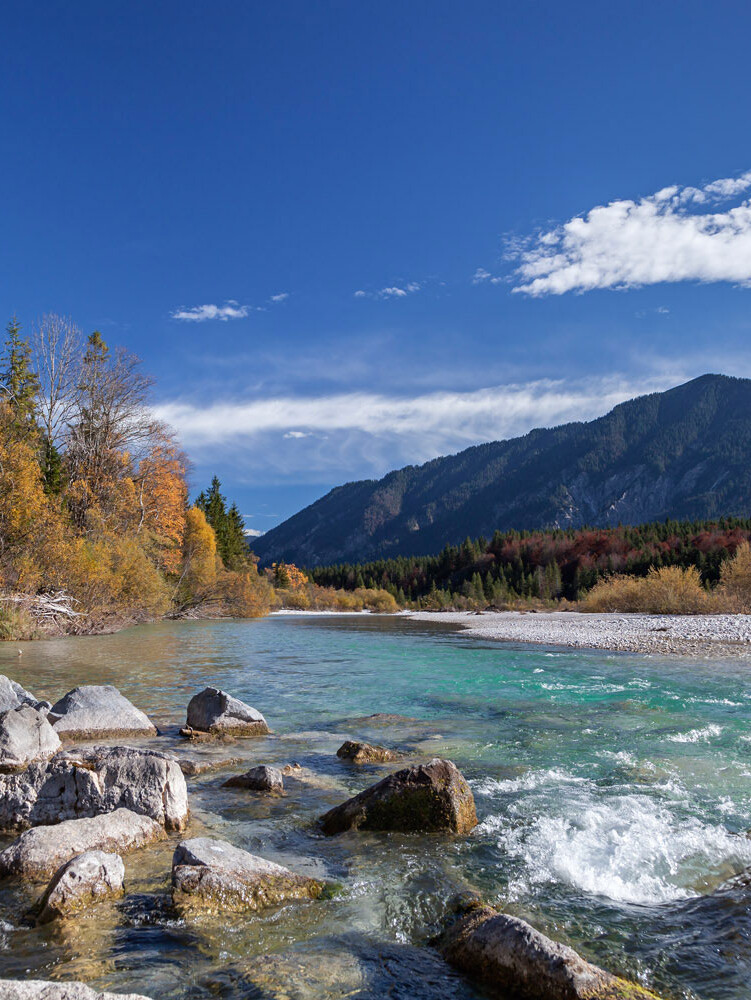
[(666, 591), (16, 624), (735, 579)]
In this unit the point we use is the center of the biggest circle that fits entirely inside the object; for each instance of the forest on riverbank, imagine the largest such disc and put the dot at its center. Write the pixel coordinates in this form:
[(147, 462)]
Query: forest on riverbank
[(96, 528)]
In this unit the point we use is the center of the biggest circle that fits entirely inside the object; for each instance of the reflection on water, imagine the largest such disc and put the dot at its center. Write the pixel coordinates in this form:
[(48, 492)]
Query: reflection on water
[(613, 793)]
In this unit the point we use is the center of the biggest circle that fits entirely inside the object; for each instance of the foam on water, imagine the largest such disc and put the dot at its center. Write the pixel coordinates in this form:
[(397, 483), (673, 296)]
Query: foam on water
[(696, 735), (631, 848)]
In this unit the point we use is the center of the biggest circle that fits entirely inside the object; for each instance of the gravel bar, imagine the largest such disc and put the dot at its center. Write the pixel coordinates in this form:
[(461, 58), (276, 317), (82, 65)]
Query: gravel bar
[(686, 635)]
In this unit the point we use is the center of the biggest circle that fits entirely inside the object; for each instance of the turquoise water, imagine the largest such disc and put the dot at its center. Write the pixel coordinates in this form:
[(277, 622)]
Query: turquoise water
[(613, 791)]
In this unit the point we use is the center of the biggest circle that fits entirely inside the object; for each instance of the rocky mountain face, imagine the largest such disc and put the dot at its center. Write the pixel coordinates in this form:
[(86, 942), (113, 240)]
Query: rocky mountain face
[(684, 453)]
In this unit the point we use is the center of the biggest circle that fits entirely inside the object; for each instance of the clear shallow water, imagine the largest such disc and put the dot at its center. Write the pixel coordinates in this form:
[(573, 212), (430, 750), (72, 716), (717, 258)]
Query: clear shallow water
[(613, 792)]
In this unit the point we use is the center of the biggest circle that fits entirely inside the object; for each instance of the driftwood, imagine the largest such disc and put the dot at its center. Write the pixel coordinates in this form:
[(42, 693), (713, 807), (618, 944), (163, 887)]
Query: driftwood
[(49, 609)]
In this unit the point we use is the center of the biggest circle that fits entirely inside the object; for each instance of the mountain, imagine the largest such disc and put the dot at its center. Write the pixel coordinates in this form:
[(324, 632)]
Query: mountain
[(684, 453)]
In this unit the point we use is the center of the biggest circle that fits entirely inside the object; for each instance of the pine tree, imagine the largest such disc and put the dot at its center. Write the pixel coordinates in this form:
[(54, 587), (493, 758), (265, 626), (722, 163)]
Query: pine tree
[(19, 385)]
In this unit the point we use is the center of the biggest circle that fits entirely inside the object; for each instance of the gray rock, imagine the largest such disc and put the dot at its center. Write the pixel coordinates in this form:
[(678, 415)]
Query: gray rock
[(12, 695), (192, 767), (25, 736), (213, 876), (84, 880), (365, 753), (216, 712), (430, 797), (513, 958), (41, 851), (95, 780), (94, 711), (258, 779), (40, 989)]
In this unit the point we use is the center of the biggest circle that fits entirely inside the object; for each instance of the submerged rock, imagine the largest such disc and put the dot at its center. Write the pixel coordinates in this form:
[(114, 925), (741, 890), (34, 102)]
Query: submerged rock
[(258, 779), (12, 695), (25, 736), (40, 989), (84, 880), (192, 767), (366, 753), (213, 876), (44, 849), (94, 711), (95, 780), (426, 798), (218, 713), (513, 958)]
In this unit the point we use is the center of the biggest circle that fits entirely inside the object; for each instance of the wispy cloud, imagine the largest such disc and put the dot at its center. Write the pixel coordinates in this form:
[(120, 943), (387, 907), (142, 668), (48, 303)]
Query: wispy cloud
[(667, 236), (390, 292), (355, 434), (200, 314), (280, 297)]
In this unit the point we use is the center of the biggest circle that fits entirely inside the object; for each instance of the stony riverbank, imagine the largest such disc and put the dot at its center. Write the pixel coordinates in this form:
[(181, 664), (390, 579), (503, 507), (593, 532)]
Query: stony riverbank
[(685, 635)]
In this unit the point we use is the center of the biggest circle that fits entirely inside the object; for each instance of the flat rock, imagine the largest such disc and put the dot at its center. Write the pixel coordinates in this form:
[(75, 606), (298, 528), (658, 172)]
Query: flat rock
[(94, 780), (94, 711), (258, 779), (366, 753), (213, 876), (40, 989), (12, 695), (84, 880), (25, 736), (193, 766), (41, 851), (218, 713), (425, 798), (513, 958)]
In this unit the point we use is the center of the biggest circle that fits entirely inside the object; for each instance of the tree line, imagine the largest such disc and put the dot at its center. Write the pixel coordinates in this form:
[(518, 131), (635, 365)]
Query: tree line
[(546, 565), (93, 494)]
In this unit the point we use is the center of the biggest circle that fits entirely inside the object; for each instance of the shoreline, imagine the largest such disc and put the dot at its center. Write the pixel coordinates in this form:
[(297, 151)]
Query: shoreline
[(707, 636)]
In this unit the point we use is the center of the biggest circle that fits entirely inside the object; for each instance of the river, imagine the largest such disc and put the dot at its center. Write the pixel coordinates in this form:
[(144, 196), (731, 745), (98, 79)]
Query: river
[(613, 792)]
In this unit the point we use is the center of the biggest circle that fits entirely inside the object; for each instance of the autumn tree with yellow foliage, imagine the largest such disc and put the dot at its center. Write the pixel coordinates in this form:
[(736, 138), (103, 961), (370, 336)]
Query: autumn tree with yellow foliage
[(94, 514)]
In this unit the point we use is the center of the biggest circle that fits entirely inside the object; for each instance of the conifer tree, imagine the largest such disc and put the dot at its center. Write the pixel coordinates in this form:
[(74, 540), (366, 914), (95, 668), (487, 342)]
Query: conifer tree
[(19, 385)]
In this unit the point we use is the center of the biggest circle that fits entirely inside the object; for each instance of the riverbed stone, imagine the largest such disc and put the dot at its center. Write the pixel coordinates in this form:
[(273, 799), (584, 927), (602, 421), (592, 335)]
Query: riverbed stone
[(86, 879), (94, 780), (426, 798), (25, 736), (212, 876), (40, 989), (194, 766), (94, 711), (12, 695), (366, 753), (258, 779), (513, 958), (215, 712), (42, 850)]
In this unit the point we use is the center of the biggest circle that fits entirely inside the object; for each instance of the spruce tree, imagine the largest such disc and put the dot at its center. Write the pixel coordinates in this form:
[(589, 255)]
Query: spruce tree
[(19, 385)]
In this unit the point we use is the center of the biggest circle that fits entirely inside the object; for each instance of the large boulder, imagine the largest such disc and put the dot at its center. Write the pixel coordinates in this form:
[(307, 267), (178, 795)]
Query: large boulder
[(94, 711), (426, 798), (366, 753), (213, 876), (84, 880), (41, 851), (514, 959), (218, 713), (25, 736), (95, 780), (258, 779), (40, 989), (12, 695)]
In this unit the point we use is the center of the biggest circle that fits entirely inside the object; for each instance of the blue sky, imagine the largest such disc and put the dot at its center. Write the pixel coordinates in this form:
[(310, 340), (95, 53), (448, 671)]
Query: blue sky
[(349, 236)]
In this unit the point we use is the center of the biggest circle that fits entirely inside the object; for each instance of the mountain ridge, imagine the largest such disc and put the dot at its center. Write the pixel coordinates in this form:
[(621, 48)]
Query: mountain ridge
[(682, 453)]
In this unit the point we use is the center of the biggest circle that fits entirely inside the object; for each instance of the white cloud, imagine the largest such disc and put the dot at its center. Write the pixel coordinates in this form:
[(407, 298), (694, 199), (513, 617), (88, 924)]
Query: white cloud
[(390, 292), (199, 314), (359, 434), (629, 243), (280, 297), (253, 533), (480, 275)]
